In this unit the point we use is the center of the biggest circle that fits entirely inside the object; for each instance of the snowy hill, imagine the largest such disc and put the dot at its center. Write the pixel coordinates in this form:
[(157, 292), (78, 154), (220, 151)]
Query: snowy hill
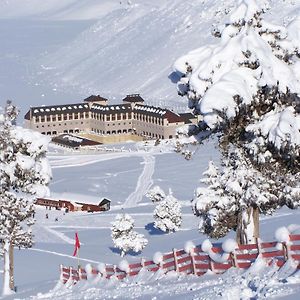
[(60, 51), (57, 9), (132, 49), (105, 47)]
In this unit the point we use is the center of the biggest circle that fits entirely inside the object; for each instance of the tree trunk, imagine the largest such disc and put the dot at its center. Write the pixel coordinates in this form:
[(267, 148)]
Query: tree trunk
[(11, 267), (248, 226), (7, 275)]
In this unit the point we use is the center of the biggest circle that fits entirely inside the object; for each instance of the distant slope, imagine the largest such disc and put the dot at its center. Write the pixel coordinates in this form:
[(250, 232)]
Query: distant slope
[(131, 45), (132, 50), (57, 9)]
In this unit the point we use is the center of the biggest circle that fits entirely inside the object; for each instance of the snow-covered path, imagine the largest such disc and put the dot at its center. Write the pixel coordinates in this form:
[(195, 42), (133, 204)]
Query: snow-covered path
[(144, 182)]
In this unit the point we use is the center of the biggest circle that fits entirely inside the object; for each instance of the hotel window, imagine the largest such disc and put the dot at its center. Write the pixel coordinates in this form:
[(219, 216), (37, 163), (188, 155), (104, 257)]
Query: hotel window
[(65, 117), (48, 119), (76, 116), (54, 118), (119, 117), (113, 117), (42, 119), (59, 118), (70, 116), (108, 118), (81, 116)]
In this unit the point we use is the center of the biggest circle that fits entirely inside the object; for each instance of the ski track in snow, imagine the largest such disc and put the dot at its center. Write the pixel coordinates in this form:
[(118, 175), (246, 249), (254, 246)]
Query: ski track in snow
[(60, 235), (143, 184), (61, 254), (79, 161)]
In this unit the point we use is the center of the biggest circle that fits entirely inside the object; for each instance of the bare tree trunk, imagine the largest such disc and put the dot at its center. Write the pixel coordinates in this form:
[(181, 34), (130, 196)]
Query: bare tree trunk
[(11, 267), (6, 272), (248, 226)]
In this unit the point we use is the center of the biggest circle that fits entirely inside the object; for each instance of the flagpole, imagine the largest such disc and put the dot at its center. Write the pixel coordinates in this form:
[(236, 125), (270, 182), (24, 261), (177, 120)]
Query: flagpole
[(78, 258)]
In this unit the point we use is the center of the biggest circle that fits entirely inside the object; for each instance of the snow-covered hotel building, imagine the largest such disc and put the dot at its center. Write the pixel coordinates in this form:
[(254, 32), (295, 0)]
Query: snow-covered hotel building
[(107, 123)]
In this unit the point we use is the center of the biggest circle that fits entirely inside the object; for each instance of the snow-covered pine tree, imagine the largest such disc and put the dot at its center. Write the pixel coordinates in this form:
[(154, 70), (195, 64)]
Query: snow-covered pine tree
[(167, 214), (234, 197), (24, 175), (124, 237), (247, 87), (248, 84), (156, 194)]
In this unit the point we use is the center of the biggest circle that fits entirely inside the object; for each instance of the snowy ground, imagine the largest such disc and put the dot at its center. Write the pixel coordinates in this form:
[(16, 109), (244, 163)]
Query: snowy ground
[(37, 67), (124, 178)]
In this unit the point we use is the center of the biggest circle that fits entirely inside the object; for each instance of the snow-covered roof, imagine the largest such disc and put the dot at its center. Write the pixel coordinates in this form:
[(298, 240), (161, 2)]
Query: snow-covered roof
[(77, 198), (172, 117), (108, 109), (56, 109)]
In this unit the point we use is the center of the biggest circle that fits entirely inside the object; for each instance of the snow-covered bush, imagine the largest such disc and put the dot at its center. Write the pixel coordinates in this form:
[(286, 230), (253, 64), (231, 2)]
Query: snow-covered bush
[(248, 84), (167, 214), (156, 194), (124, 237), (24, 175)]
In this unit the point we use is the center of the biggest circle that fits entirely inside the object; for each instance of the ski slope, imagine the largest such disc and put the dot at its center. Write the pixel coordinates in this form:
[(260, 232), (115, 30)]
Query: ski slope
[(92, 176), (56, 52)]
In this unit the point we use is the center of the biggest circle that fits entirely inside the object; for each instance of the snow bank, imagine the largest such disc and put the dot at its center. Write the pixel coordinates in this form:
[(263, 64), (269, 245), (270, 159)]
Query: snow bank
[(206, 246), (189, 246), (124, 266), (282, 234), (158, 258), (101, 268), (229, 245)]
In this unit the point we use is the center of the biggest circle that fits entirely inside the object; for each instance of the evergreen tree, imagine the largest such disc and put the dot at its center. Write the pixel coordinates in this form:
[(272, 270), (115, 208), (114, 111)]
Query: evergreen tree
[(24, 175), (247, 88), (167, 214), (156, 194), (124, 237), (234, 197)]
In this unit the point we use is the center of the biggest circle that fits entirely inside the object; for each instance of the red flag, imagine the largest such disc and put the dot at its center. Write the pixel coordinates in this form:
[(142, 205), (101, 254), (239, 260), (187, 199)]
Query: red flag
[(77, 244)]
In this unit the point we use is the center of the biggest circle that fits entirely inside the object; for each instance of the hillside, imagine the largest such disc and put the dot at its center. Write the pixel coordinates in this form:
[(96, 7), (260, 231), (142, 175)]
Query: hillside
[(57, 10), (133, 49), (60, 51)]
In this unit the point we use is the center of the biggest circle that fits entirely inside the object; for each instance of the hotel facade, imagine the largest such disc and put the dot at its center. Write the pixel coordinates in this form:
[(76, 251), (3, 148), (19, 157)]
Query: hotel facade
[(94, 118)]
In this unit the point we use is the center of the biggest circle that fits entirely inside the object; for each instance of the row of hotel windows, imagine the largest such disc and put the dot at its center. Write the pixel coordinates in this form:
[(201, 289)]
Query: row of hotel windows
[(111, 132), (111, 117), (61, 117), (118, 117), (144, 133), (65, 131), (101, 117)]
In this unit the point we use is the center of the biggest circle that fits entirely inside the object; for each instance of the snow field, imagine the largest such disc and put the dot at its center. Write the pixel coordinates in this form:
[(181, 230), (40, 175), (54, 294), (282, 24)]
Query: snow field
[(54, 239)]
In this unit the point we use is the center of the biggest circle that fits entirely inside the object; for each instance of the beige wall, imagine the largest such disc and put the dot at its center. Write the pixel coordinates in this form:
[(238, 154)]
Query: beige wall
[(111, 139), (108, 128), (52, 124)]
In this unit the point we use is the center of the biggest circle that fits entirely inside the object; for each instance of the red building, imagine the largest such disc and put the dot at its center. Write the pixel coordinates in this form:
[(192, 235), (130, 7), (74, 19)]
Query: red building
[(104, 205)]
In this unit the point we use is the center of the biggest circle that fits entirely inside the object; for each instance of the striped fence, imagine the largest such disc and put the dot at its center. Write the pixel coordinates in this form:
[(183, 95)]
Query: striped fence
[(196, 261)]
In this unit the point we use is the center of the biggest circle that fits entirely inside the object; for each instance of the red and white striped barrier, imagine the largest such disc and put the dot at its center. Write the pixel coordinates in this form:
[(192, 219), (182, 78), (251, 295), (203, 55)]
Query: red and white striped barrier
[(195, 261)]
